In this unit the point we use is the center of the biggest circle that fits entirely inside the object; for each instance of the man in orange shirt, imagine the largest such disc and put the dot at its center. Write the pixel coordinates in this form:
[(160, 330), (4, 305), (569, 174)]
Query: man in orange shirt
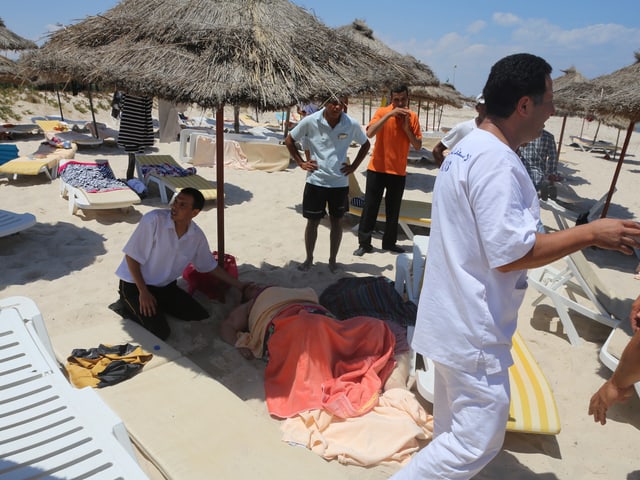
[(395, 127)]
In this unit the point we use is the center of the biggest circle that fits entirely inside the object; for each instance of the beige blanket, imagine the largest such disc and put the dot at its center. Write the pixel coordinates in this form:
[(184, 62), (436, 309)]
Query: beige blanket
[(396, 428)]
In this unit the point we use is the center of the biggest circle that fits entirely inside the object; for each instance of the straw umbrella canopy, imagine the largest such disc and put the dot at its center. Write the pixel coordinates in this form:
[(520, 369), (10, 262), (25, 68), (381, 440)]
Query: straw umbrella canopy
[(362, 34), (9, 71), (613, 98), (12, 41), (264, 53)]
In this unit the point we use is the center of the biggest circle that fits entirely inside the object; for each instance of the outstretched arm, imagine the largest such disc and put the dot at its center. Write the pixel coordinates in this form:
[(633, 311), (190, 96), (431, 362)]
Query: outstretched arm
[(608, 233), (620, 386)]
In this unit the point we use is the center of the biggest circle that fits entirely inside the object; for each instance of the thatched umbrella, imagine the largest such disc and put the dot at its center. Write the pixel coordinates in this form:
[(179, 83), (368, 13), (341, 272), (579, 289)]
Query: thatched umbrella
[(443, 94), (613, 98), (12, 41), (571, 75), (362, 34), (9, 71), (265, 53)]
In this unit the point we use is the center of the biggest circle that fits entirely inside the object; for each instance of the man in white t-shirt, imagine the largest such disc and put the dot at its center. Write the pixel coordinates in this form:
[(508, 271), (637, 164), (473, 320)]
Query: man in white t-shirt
[(458, 132), (483, 239)]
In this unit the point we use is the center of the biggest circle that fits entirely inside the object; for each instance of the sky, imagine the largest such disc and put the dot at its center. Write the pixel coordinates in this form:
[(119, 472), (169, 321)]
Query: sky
[(459, 41)]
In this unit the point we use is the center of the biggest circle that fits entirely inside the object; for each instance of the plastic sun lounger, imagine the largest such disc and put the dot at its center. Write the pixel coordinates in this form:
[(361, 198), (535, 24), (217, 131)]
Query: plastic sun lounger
[(44, 160), (533, 407), (577, 279), (11, 223), (588, 145), (616, 342), (49, 428), (51, 129), (81, 199), (412, 212), (173, 184)]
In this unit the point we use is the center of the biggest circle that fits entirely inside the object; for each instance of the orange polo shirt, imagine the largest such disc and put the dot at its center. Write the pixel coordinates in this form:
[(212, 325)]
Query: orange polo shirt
[(391, 148)]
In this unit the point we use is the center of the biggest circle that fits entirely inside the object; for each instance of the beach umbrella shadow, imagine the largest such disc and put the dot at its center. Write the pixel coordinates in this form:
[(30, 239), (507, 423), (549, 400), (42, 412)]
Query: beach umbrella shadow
[(56, 250)]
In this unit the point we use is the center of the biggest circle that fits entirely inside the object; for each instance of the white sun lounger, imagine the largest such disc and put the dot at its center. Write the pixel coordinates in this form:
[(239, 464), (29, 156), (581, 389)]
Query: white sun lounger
[(576, 280), (48, 428), (11, 223)]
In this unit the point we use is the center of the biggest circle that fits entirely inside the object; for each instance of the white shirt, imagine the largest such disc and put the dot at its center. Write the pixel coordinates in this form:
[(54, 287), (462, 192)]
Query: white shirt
[(484, 216), (458, 132), (161, 254)]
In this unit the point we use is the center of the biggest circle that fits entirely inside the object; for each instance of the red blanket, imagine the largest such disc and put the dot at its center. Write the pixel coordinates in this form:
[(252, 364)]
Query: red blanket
[(317, 362)]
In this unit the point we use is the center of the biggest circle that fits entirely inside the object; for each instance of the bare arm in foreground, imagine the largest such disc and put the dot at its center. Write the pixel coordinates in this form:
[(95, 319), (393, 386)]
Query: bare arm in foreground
[(607, 233), (620, 386)]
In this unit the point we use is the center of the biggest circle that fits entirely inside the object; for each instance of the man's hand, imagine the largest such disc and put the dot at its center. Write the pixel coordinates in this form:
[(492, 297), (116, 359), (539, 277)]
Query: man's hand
[(309, 166), (607, 395), (148, 303), (348, 169), (612, 234)]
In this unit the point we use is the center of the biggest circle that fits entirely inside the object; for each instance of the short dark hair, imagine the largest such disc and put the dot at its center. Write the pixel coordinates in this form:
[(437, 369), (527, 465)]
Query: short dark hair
[(512, 78), (196, 195), (399, 88)]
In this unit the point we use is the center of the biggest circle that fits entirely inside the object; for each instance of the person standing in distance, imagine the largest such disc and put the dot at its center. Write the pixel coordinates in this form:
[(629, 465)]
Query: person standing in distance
[(395, 128), (326, 136)]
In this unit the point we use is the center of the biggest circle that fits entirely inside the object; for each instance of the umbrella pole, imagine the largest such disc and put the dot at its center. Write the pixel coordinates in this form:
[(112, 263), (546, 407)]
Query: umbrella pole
[(564, 123), (615, 150), (364, 105), (220, 181), (595, 136), (60, 105), (93, 115), (614, 180)]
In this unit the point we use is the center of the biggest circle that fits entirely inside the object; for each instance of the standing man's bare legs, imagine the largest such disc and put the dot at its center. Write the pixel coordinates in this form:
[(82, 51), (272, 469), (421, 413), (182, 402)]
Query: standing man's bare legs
[(310, 237), (335, 237)]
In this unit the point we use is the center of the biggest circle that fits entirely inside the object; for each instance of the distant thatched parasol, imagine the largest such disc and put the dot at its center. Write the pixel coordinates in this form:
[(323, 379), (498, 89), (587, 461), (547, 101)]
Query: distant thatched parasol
[(8, 71), (613, 98), (362, 34), (571, 76), (265, 53), (12, 41)]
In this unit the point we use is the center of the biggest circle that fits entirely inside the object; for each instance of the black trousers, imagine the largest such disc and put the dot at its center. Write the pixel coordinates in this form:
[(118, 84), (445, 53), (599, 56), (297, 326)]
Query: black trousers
[(170, 299), (377, 183)]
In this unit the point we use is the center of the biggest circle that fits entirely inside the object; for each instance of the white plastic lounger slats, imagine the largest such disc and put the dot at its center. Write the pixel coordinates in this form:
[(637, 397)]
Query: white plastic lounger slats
[(577, 279), (11, 223), (49, 429)]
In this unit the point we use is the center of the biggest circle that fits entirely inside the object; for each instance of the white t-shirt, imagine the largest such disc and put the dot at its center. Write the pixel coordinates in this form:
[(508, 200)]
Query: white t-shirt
[(161, 254), (485, 212), (328, 146), (458, 132)]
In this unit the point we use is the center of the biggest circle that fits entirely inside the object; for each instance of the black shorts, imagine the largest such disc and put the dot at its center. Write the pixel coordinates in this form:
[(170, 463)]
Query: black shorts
[(315, 199)]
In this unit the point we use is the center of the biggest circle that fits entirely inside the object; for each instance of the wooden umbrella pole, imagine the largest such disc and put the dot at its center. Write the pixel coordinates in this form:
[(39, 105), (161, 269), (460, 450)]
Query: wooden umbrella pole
[(60, 105), (614, 180), (93, 115), (564, 123), (220, 181)]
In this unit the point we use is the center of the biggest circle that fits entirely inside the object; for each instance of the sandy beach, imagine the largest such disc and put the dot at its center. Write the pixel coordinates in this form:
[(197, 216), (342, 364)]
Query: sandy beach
[(66, 264)]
